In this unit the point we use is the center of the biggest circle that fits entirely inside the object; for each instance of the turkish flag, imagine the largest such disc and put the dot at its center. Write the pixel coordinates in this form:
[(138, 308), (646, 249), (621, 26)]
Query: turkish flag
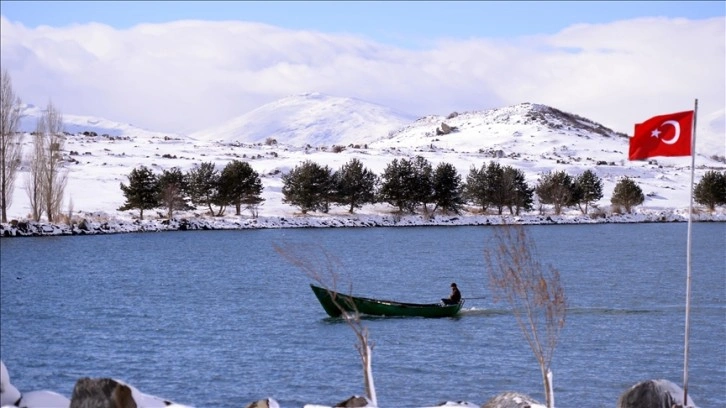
[(664, 135)]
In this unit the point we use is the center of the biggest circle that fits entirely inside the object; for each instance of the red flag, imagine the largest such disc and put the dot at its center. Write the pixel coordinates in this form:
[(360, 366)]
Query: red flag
[(664, 135)]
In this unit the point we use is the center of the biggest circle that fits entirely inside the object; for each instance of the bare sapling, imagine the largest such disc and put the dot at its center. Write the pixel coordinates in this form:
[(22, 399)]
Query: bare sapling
[(69, 214), (534, 292), (322, 267)]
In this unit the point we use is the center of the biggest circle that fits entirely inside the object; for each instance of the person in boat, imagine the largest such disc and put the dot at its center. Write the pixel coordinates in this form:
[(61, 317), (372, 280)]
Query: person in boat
[(455, 296)]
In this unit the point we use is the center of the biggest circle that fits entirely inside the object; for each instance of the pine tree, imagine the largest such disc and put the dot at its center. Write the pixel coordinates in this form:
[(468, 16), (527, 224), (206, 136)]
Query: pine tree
[(496, 190), (517, 192), (555, 188), (308, 186), (172, 190), (627, 194), (587, 190), (711, 190), (354, 185), (397, 186), (475, 188), (240, 184), (447, 189), (203, 187), (142, 191), (422, 189)]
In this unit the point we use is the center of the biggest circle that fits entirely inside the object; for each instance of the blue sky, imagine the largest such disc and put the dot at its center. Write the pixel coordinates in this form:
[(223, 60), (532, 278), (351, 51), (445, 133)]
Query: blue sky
[(400, 23)]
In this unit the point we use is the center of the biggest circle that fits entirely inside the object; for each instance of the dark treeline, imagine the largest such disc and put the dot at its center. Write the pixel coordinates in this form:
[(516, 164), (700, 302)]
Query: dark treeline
[(236, 185), (410, 185)]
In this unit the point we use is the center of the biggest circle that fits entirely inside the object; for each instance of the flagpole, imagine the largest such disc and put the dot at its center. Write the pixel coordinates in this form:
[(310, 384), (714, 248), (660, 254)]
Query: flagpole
[(688, 259)]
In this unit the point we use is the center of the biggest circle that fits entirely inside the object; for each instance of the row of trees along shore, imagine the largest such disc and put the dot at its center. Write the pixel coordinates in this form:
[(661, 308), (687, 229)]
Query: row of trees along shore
[(236, 185), (407, 184)]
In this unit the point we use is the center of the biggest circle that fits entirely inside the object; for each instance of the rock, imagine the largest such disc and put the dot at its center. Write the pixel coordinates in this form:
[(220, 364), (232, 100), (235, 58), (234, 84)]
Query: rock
[(108, 392), (101, 392), (512, 400), (83, 225), (653, 394), (355, 401), (150, 401), (457, 404), (43, 399), (23, 227), (445, 129), (263, 403), (9, 395)]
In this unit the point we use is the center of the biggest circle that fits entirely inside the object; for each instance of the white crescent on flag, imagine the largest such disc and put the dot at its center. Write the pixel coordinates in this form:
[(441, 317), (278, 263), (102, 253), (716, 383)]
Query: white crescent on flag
[(677, 127)]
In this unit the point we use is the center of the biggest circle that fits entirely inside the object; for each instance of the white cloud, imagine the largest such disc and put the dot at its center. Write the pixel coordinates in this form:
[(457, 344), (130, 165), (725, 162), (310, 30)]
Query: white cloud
[(190, 75)]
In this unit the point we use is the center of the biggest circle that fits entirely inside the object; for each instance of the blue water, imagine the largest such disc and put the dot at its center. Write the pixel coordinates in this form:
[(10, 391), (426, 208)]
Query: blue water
[(220, 319)]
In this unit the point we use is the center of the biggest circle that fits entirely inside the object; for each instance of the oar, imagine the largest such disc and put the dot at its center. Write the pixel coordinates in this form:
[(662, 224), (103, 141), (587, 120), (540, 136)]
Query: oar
[(482, 297)]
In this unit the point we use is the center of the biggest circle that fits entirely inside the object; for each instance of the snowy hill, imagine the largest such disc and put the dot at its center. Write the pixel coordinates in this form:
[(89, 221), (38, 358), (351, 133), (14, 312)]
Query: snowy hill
[(514, 130), (313, 119)]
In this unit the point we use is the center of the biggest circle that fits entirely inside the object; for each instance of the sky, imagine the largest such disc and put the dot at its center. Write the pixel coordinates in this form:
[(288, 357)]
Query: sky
[(402, 23), (187, 66)]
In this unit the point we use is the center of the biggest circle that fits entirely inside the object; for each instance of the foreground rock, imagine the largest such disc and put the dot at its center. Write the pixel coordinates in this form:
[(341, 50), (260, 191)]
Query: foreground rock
[(87, 393), (512, 400), (654, 394), (101, 392), (265, 403), (10, 396)]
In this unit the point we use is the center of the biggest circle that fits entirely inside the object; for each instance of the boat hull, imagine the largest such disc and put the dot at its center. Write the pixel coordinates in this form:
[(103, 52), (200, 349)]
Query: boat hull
[(334, 303)]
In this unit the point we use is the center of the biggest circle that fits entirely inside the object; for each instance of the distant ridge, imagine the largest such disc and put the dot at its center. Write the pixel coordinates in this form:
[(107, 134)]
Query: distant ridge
[(557, 119), (79, 123), (311, 118)]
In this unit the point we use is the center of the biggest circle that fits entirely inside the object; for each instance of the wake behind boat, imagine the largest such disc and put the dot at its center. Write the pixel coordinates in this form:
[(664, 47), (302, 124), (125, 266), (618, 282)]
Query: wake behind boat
[(334, 303)]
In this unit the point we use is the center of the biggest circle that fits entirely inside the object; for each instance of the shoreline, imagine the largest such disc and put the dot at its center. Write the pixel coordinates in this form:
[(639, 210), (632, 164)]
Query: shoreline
[(101, 224)]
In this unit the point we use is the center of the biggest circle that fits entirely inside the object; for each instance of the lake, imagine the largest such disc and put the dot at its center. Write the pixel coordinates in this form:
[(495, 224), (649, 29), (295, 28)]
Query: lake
[(220, 319)]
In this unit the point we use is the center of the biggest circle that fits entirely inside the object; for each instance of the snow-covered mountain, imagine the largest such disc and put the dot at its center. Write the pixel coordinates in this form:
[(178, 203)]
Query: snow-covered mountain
[(532, 137), (313, 118)]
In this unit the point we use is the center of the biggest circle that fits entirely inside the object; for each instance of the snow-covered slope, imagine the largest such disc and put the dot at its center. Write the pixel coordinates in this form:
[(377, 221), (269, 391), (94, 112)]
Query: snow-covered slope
[(74, 124), (313, 119), (530, 129)]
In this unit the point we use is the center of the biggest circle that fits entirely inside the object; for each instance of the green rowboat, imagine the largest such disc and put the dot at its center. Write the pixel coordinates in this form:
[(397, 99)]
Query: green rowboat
[(333, 302)]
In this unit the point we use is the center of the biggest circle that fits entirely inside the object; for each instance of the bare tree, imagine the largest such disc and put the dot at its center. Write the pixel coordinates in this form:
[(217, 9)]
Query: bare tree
[(10, 142), (69, 213), (535, 294), (321, 266), (55, 177), (35, 179)]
